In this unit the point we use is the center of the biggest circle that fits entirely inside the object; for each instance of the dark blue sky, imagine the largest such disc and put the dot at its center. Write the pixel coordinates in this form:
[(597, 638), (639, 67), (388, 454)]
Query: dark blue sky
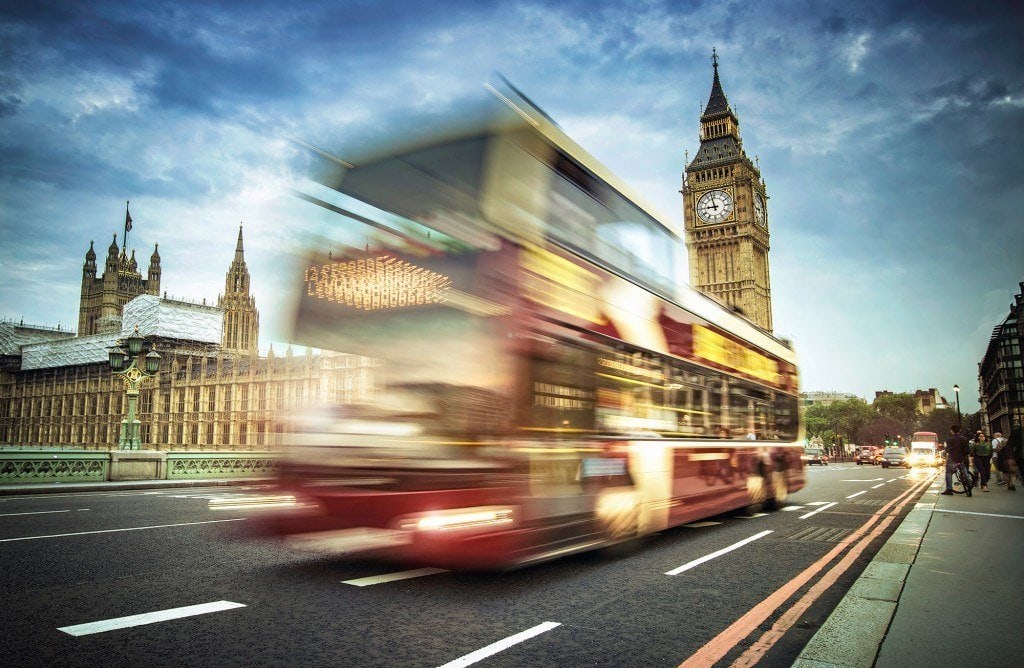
[(889, 135)]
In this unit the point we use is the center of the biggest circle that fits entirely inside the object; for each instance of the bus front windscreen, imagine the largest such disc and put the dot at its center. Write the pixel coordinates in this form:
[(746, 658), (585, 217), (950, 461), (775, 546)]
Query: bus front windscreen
[(432, 325)]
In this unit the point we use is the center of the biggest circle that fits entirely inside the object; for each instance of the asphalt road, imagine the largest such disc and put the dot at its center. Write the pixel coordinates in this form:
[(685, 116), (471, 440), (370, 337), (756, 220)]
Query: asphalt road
[(68, 561)]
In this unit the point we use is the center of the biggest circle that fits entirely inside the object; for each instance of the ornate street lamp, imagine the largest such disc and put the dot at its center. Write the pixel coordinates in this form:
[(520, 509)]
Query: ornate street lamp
[(139, 368), (956, 390)]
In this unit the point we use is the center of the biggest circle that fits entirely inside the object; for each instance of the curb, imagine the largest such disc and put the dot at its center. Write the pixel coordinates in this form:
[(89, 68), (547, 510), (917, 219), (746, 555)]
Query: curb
[(64, 488), (853, 634)]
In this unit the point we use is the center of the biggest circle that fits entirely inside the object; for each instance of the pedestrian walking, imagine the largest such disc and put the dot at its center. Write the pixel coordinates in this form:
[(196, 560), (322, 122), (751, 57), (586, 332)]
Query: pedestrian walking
[(956, 448), (1016, 444), (1009, 463), (997, 442), (982, 451)]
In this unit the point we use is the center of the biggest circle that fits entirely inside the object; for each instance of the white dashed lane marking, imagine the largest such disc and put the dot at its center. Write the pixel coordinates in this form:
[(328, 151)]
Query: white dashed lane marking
[(501, 645), (44, 512), (825, 506), (725, 550), (148, 618), (88, 533), (392, 577)]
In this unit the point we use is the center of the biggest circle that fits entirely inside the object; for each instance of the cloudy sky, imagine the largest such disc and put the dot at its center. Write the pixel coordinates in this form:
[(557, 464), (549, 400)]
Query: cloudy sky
[(889, 134)]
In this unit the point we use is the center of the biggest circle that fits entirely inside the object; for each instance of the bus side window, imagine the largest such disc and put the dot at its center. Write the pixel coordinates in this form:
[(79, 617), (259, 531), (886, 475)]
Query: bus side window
[(561, 392)]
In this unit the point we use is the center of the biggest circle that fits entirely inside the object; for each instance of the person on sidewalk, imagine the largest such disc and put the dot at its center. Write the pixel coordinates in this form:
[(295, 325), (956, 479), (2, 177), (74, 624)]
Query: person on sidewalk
[(1012, 453), (997, 442), (982, 451), (956, 448)]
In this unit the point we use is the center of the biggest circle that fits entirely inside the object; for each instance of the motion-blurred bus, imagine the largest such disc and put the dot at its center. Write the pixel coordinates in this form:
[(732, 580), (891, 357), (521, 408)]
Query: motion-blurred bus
[(548, 385)]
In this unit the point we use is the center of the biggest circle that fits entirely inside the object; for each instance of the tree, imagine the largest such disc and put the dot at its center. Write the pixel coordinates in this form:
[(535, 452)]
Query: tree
[(938, 421), (899, 407), (874, 433), (851, 415), (817, 418)]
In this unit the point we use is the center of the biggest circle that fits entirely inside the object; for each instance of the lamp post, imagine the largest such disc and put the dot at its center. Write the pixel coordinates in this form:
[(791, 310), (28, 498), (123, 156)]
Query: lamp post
[(139, 367), (956, 390)]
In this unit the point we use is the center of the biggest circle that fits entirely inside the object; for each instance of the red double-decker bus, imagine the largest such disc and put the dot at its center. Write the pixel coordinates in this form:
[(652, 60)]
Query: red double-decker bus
[(547, 385)]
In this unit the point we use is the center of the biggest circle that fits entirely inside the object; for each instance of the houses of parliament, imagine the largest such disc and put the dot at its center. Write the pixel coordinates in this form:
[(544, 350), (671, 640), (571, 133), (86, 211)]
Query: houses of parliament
[(213, 391)]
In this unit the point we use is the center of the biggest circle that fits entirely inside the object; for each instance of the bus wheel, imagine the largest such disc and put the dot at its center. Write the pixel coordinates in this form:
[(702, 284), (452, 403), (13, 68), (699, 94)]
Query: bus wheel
[(618, 514), (779, 491), (757, 490)]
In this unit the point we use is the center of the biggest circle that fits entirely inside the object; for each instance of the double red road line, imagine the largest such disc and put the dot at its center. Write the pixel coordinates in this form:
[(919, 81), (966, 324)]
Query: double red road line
[(738, 631)]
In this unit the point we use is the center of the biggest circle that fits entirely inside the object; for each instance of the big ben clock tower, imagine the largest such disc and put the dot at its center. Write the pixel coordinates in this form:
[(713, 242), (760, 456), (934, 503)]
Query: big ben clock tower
[(725, 214)]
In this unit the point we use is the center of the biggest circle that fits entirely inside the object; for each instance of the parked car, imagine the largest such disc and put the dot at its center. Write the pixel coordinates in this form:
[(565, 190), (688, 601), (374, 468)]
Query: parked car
[(814, 456), (866, 455), (895, 456)]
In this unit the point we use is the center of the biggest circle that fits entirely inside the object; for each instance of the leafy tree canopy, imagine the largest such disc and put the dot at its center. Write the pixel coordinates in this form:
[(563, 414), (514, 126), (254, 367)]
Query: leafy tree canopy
[(899, 407), (938, 421)]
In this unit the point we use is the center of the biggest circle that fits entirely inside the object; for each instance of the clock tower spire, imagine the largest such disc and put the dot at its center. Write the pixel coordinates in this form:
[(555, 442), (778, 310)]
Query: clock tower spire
[(725, 214)]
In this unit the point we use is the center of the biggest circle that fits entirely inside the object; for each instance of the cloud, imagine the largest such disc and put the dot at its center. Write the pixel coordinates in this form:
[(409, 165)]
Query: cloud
[(855, 51)]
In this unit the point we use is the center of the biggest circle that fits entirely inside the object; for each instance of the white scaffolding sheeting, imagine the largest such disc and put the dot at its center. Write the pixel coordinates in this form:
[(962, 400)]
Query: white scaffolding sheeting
[(68, 352), (164, 318), (173, 319), (14, 335)]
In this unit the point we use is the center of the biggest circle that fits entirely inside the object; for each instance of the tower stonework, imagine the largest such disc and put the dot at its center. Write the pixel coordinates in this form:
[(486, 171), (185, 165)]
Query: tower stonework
[(241, 319), (725, 215), (103, 297)]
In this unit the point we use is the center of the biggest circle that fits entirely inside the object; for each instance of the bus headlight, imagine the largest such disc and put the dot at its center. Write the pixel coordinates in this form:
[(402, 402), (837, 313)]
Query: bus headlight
[(460, 518)]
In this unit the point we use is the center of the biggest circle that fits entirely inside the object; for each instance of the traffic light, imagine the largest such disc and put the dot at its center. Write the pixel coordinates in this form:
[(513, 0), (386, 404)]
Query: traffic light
[(887, 440)]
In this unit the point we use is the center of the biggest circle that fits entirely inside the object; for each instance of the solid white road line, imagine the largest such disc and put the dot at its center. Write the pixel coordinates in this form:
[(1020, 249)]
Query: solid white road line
[(43, 512), (968, 512), (86, 533), (391, 577), (148, 618), (698, 525), (820, 508), (724, 550), (501, 645), (863, 491)]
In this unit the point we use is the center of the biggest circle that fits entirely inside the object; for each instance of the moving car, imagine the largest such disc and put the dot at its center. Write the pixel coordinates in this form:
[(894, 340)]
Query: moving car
[(814, 456), (895, 456), (866, 455)]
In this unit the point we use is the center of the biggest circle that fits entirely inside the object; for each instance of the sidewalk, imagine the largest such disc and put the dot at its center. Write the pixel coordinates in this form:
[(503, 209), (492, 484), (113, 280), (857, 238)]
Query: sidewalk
[(106, 486), (945, 590)]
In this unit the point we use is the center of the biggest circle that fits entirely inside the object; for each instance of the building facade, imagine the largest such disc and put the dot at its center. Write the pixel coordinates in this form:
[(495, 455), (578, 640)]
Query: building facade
[(725, 215), (104, 296), (1001, 371), (819, 398), (926, 401), (212, 392), (241, 319)]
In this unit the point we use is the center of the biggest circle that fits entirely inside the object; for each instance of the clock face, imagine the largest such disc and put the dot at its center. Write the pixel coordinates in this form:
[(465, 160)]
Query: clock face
[(714, 206), (759, 209)]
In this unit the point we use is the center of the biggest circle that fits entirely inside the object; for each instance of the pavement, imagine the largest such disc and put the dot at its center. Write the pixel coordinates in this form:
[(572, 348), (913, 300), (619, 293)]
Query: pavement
[(945, 590)]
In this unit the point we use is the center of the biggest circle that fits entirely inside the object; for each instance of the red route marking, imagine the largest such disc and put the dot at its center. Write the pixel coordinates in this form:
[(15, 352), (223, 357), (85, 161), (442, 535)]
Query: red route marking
[(725, 641)]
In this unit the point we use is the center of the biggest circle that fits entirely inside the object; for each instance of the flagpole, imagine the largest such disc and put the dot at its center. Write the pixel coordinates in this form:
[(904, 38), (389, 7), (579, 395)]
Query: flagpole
[(127, 218)]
